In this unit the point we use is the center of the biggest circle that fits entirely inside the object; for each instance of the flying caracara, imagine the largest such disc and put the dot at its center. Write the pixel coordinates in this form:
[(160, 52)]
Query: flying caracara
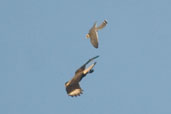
[(72, 87)]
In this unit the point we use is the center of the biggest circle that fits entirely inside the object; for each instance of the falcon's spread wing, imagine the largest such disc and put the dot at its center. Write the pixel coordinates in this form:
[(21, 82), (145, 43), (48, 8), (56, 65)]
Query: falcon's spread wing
[(93, 36), (102, 25), (94, 39), (74, 89)]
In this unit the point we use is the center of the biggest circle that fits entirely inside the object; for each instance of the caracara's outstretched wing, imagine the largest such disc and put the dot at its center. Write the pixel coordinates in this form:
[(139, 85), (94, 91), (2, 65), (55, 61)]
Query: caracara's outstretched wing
[(82, 68)]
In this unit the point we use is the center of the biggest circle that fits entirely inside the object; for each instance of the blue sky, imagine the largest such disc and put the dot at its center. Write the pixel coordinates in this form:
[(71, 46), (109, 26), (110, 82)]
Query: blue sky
[(42, 43)]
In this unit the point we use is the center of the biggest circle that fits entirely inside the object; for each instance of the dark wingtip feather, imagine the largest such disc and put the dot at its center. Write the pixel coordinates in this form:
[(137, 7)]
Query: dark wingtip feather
[(105, 21)]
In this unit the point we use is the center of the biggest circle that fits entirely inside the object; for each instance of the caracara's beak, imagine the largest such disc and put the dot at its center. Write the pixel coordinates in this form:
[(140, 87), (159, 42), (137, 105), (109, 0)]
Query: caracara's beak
[(87, 36), (66, 84)]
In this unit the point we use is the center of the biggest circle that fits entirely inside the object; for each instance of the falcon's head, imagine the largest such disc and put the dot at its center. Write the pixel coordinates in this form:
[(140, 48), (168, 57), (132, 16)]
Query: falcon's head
[(87, 36)]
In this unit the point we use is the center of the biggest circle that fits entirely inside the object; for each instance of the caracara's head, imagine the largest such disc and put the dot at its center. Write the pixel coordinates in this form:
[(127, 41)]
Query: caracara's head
[(66, 83)]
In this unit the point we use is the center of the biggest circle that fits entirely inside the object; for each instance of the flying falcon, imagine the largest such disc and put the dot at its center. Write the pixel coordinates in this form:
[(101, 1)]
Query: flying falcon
[(93, 35), (72, 87)]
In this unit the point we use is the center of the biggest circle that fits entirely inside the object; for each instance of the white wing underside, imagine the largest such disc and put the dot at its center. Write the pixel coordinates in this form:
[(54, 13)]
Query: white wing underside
[(75, 92)]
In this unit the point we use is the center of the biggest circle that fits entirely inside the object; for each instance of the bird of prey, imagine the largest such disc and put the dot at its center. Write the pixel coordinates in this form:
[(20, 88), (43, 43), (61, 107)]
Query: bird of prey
[(72, 87), (93, 35)]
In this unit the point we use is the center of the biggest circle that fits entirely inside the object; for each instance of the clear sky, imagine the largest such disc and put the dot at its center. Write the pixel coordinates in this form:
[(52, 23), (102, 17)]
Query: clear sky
[(42, 43)]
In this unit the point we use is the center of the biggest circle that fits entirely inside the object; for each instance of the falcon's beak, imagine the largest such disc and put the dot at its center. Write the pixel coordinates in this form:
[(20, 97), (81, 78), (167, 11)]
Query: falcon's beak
[(87, 36)]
